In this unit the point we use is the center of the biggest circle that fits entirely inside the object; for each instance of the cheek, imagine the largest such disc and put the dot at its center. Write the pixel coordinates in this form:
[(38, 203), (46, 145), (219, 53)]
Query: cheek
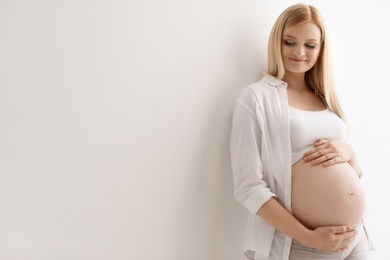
[(284, 51), (314, 56), (285, 54)]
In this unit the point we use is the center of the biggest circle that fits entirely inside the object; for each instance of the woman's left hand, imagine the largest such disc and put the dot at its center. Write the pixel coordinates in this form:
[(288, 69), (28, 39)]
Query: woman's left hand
[(329, 152)]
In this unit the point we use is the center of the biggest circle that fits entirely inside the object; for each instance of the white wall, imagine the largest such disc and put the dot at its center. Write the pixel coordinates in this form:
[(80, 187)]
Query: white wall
[(115, 122), (361, 58)]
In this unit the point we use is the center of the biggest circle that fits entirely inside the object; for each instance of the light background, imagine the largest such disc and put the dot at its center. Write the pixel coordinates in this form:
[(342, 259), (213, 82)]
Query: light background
[(115, 122)]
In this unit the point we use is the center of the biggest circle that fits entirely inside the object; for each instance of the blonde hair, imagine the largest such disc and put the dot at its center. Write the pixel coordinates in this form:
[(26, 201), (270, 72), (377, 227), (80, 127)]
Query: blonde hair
[(320, 77)]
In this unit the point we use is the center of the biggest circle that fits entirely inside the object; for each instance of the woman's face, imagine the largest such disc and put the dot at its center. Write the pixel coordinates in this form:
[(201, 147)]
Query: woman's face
[(301, 46)]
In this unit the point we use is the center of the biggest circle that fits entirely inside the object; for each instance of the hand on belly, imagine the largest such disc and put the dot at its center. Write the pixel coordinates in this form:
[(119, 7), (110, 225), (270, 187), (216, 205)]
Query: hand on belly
[(323, 196)]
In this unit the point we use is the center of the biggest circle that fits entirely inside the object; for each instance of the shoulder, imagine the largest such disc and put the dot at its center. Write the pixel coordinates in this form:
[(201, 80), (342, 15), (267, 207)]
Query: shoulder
[(268, 83), (266, 88)]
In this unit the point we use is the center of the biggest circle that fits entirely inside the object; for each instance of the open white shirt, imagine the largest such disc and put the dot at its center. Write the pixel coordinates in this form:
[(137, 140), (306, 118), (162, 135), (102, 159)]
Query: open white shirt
[(261, 162)]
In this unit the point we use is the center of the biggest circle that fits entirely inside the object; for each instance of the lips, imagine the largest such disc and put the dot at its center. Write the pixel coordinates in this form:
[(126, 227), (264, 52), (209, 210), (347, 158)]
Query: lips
[(297, 60)]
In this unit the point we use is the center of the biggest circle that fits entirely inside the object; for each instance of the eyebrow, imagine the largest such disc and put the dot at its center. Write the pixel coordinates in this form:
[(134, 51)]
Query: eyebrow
[(310, 40)]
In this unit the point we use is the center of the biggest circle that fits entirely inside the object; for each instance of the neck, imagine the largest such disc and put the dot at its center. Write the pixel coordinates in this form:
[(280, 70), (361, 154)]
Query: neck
[(295, 81)]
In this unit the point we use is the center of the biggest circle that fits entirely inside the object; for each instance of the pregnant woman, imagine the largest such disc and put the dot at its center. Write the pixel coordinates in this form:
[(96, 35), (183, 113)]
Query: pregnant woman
[(292, 167)]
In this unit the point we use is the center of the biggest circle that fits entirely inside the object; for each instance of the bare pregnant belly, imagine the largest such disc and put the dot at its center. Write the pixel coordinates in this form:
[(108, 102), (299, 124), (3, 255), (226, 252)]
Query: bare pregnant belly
[(323, 196)]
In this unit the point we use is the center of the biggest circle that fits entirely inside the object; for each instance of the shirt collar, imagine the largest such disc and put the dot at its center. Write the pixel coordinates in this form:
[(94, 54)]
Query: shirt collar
[(273, 81)]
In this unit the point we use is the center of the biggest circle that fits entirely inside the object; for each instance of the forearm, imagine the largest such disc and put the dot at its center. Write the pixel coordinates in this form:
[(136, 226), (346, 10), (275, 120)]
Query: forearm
[(277, 216)]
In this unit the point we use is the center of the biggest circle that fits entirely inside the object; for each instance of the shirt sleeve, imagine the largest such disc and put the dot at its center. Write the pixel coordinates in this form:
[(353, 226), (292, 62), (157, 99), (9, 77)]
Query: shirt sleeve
[(250, 189)]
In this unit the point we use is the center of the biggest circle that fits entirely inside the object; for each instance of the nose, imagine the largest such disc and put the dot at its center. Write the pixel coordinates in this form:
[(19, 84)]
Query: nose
[(299, 50)]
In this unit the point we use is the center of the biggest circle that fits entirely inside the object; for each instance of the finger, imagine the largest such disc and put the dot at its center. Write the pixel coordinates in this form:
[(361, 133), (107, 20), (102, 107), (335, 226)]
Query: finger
[(320, 145), (315, 153), (313, 158), (321, 142), (322, 157), (344, 247), (343, 244), (349, 241), (345, 238), (341, 229), (317, 161), (323, 146), (310, 152), (332, 161)]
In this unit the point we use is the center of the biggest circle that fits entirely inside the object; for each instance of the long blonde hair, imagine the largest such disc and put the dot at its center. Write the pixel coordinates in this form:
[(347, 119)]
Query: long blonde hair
[(320, 77)]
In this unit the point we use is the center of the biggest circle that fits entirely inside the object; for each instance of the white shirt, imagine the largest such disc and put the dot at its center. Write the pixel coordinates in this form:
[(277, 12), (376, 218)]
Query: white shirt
[(261, 162)]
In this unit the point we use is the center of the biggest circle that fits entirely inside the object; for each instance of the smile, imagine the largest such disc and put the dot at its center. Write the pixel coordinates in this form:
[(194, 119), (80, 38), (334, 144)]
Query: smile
[(297, 60)]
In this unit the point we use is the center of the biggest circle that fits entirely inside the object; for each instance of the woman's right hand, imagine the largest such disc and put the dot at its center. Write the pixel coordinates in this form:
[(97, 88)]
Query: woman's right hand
[(331, 238)]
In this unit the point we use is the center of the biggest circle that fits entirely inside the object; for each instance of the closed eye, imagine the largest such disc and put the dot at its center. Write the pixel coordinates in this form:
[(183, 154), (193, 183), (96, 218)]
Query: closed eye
[(311, 46), (289, 43)]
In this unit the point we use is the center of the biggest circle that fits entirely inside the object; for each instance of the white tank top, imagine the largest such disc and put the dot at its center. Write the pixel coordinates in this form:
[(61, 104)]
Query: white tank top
[(307, 127)]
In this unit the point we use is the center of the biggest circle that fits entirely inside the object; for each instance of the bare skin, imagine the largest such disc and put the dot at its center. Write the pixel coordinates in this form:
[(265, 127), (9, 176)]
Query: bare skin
[(324, 196)]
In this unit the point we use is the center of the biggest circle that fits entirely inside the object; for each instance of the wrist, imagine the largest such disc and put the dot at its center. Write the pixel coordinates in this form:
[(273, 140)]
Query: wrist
[(305, 236)]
